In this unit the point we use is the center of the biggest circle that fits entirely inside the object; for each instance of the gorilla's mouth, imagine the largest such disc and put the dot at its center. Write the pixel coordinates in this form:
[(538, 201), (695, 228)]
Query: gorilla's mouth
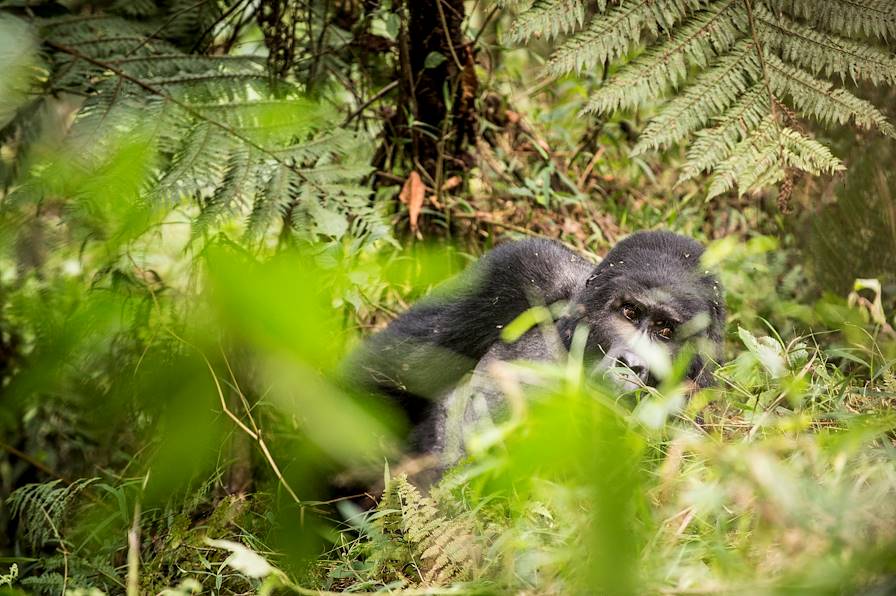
[(623, 377)]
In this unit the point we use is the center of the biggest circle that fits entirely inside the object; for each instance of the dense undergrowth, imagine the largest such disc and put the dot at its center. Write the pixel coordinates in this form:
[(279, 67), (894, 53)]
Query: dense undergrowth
[(172, 419)]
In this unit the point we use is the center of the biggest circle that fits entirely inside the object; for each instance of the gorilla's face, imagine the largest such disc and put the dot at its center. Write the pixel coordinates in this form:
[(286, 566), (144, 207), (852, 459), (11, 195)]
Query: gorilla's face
[(646, 302), (641, 329)]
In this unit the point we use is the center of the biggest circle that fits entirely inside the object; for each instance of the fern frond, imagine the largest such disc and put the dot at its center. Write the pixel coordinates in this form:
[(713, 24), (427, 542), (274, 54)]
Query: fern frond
[(237, 190), (197, 164), (808, 154), (224, 128), (758, 152), (271, 202), (328, 145), (761, 159), (872, 18), (735, 66), (821, 99), (617, 32), (550, 18), (714, 145), (825, 53), (442, 549), (710, 94), (42, 508), (705, 36), (46, 583)]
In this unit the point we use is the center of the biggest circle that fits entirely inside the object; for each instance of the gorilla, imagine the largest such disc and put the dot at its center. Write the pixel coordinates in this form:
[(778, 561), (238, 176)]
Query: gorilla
[(647, 301)]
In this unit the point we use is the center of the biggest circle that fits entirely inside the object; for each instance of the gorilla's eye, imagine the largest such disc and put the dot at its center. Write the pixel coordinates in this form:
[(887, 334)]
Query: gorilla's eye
[(630, 312), (665, 331)]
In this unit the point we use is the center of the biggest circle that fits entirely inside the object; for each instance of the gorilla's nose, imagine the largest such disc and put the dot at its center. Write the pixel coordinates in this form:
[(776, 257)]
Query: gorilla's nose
[(636, 365)]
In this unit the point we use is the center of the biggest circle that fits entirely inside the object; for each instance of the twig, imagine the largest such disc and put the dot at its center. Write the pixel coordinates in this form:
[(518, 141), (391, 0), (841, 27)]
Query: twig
[(171, 18), (587, 172), (239, 391), (27, 458), (448, 40), (255, 435), (378, 95), (485, 23), (515, 228), (218, 21)]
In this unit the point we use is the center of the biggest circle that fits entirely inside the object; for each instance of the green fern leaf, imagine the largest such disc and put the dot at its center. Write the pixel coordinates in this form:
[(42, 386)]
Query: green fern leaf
[(223, 127), (710, 94), (43, 508), (714, 145), (705, 36), (762, 157), (872, 18), (617, 33), (825, 53), (277, 194), (550, 18), (821, 99), (736, 73)]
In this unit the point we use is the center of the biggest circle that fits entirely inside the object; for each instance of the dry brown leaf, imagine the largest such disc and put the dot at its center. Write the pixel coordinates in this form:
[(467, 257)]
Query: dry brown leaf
[(412, 194), (452, 182)]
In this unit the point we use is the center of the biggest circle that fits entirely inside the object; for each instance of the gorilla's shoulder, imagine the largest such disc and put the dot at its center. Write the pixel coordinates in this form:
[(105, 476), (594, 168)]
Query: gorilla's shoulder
[(537, 250)]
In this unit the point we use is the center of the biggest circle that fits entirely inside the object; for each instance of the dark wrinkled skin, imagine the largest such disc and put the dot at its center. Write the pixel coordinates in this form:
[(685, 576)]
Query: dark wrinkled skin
[(640, 306)]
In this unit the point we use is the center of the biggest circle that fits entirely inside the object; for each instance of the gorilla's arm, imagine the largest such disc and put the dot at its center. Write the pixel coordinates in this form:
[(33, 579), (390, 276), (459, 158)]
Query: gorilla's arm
[(429, 348)]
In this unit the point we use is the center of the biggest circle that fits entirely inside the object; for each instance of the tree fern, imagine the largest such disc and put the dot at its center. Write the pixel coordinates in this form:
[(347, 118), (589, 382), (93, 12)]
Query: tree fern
[(233, 141), (731, 75)]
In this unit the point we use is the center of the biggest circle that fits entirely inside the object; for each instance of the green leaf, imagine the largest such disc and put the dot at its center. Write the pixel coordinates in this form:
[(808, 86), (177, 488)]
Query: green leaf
[(766, 350), (328, 222), (433, 59), (523, 323)]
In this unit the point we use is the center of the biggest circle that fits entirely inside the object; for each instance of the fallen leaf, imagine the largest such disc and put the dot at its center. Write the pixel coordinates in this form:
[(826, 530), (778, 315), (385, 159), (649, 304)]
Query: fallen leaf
[(412, 195), (452, 182)]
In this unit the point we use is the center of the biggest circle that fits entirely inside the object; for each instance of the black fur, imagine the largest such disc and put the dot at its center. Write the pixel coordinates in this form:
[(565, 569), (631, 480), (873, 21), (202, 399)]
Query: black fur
[(428, 349), (666, 265), (425, 352)]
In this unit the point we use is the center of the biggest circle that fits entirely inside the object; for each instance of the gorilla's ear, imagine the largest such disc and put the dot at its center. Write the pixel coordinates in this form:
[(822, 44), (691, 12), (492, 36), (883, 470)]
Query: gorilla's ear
[(590, 281)]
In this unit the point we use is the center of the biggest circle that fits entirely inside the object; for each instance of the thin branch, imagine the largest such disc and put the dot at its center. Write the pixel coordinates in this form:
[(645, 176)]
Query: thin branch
[(239, 391), (485, 23), (27, 458), (218, 21), (378, 95), (133, 578), (448, 41), (171, 18)]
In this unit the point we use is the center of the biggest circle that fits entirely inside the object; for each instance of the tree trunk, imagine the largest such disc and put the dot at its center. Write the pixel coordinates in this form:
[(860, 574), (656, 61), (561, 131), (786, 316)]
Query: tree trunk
[(442, 97)]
